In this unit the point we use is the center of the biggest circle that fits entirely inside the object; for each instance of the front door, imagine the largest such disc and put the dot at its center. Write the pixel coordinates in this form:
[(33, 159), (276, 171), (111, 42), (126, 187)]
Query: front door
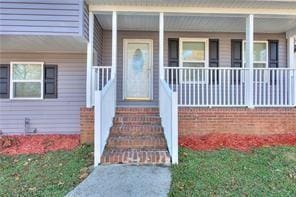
[(137, 67)]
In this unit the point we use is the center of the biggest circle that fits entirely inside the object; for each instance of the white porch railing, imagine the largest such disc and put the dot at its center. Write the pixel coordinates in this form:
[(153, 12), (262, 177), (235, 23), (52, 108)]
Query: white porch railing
[(168, 107), (105, 106), (270, 87), (101, 76)]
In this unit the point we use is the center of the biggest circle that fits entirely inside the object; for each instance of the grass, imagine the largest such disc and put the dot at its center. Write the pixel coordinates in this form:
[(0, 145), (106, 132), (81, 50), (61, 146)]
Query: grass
[(51, 174), (262, 172)]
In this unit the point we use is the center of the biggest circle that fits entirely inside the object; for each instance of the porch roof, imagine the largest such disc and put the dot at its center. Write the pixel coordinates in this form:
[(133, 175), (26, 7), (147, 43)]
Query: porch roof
[(198, 22)]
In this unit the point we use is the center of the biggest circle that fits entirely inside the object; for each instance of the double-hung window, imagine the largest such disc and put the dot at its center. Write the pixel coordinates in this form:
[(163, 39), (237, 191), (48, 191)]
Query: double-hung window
[(194, 54), (260, 54), (26, 80)]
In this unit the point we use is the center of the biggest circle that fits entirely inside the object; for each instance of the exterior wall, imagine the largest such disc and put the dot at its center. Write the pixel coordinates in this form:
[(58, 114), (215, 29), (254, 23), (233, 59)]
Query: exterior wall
[(224, 51), (86, 125), (60, 115), (225, 44), (47, 17), (258, 121)]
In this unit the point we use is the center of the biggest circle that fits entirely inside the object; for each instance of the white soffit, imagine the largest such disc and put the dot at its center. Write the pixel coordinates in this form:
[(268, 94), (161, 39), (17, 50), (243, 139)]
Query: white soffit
[(35, 43), (202, 23)]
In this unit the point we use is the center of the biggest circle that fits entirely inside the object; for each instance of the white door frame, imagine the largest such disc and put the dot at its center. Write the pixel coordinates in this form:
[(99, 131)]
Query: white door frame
[(125, 43)]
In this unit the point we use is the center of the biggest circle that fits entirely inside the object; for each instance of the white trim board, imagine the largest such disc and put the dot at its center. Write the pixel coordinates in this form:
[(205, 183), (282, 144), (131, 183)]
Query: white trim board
[(197, 10)]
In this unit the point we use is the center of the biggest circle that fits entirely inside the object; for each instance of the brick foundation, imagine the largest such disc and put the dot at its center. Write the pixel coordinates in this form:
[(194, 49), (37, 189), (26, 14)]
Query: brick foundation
[(86, 125), (258, 121)]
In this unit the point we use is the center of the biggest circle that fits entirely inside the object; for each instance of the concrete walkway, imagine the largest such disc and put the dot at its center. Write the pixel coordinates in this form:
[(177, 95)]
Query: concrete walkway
[(125, 180)]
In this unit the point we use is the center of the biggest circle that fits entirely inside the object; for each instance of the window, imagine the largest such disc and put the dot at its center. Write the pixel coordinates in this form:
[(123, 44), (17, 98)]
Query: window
[(193, 54), (260, 54), (26, 80)]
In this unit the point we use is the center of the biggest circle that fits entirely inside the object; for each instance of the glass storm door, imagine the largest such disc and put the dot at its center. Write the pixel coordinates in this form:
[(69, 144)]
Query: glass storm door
[(137, 69)]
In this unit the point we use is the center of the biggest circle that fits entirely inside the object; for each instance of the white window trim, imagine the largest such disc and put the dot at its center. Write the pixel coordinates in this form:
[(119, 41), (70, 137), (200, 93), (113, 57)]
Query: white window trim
[(205, 40), (41, 81), (257, 62), (206, 61)]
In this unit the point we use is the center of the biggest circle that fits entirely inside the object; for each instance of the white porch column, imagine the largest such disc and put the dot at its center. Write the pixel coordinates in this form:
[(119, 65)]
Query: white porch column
[(290, 50), (114, 44), (161, 35), (249, 59), (292, 64), (89, 60)]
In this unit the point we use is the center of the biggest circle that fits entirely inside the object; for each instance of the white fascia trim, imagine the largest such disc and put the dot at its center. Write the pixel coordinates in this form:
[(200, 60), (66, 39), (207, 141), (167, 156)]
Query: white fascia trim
[(197, 10)]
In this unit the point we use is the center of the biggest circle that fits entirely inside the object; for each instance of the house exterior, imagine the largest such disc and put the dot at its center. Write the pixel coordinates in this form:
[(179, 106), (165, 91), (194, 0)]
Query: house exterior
[(167, 68)]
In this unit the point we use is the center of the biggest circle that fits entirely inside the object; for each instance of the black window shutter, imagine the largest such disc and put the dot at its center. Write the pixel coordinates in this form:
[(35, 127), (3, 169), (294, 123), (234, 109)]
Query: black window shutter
[(214, 53), (50, 81), (214, 58), (4, 80), (173, 58), (236, 53), (273, 58)]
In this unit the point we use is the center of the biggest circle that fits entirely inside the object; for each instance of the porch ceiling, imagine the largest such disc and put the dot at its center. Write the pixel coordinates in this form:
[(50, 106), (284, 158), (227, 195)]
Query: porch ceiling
[(273, 4), (201, 23)]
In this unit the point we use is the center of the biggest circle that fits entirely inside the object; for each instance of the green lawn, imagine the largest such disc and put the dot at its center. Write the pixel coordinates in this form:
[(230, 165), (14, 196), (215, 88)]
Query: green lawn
[(51, 174), (263, 172)]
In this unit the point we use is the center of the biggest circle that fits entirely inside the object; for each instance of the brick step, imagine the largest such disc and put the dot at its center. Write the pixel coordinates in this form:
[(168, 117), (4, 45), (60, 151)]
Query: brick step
[(136, 130), (137, 119), (132, 142), (137, 110), (134, 156)]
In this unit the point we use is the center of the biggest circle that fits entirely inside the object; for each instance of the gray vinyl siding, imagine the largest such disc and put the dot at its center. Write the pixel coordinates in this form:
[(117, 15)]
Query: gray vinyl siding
[(46, 17), (98, 40), (224, 51), (85, 19), (61, 115), (225, 44)]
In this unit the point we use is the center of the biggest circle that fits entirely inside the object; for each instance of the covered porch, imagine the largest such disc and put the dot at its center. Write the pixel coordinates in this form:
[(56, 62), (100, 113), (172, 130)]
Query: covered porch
[(202, 71), (222, 58)]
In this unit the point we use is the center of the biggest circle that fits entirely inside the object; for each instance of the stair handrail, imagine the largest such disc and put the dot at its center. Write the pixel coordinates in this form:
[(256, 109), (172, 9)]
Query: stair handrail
[(105, 106), (168, 109)]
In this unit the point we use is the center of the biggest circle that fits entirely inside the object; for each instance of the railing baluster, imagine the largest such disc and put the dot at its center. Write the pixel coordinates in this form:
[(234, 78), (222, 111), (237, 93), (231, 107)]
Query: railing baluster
[(194, 86), (241, 74), (216, 86), (211, 86), (224, 87), (282, 87), (190, 87), (268, 87), (201, 81), (278, 87)]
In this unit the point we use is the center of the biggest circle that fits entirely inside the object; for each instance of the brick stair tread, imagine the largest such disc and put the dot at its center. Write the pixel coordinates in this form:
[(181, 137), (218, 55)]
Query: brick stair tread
[(130, 129), (136, 130), (134, 110), (136, 142), (136, 120), (136, 156)]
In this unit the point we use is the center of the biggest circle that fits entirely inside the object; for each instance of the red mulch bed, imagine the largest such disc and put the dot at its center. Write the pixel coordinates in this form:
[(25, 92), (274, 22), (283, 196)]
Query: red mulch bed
[(235, 141), (36, 144)]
